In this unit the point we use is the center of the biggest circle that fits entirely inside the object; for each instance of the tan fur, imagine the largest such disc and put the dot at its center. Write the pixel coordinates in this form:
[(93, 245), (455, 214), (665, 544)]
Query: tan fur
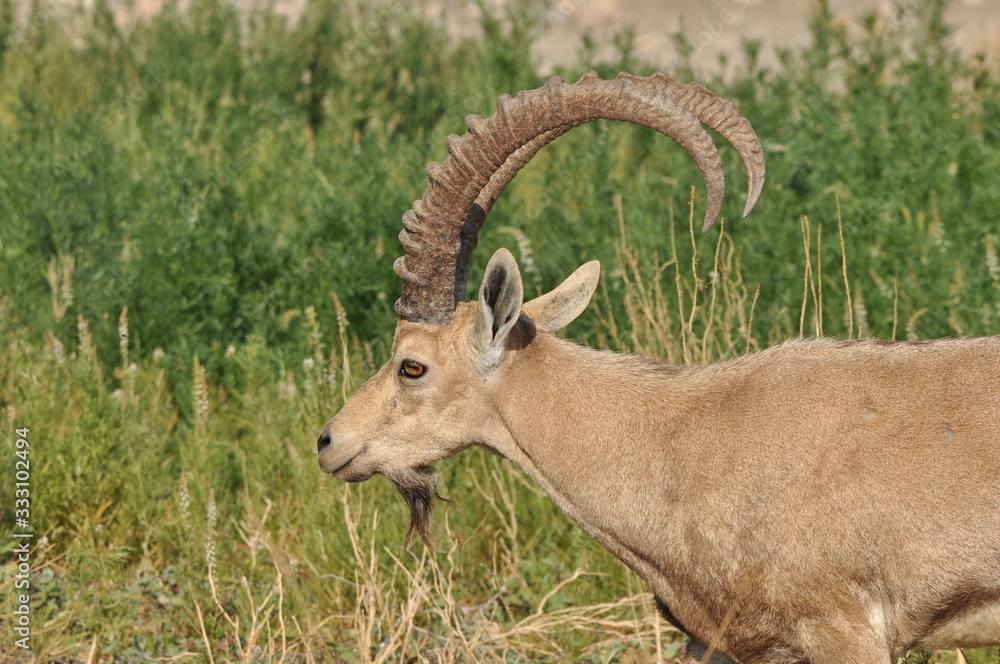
[(826, 501)]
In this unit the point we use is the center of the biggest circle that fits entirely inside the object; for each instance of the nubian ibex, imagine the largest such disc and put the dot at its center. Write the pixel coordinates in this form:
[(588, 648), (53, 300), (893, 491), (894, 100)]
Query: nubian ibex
[(824, 501)]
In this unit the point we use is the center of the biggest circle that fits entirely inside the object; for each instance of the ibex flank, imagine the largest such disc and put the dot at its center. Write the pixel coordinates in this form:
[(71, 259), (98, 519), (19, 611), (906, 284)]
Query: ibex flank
[(822, 501)]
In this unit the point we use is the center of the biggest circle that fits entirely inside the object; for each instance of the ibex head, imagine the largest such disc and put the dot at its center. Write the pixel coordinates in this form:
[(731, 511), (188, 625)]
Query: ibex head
[(451, 360)]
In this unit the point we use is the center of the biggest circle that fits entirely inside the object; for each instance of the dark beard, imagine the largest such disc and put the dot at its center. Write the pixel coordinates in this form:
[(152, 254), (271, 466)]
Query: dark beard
[(418, 486)]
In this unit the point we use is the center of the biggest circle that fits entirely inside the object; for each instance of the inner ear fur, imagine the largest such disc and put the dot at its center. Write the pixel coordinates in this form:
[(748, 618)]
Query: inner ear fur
[(500, 298), (560, 306)]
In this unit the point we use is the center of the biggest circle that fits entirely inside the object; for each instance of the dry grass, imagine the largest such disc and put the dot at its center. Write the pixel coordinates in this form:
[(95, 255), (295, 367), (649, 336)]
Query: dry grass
[(677, 310)]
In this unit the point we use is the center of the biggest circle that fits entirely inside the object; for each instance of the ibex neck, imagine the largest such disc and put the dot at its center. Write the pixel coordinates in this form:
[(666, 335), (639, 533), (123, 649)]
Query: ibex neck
[(594, 429)]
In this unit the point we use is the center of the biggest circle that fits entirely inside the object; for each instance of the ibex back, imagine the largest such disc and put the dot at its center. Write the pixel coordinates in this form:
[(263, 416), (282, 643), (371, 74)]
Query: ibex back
[(821, 501)]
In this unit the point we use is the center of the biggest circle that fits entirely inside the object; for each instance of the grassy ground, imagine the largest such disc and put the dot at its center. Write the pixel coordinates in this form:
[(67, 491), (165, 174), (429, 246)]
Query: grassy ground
[(197, 271)]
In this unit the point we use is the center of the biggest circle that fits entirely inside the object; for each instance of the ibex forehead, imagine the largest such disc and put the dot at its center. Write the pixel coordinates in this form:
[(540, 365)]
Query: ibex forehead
[(429, 336)]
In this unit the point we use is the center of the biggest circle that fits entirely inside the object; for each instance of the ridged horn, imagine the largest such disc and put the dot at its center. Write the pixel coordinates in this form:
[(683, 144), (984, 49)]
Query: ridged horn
[(441, 230)]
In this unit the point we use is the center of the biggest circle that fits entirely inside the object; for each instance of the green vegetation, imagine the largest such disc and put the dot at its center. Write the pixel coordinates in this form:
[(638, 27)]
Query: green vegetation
[(196, 255)]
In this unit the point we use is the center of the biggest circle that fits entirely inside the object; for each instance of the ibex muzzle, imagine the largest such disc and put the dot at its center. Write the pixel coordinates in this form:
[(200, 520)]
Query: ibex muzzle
[(821, 501)]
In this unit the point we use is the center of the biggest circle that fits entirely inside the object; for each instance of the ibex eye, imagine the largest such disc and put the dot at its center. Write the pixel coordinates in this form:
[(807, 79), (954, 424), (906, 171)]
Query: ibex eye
[(412, 369)]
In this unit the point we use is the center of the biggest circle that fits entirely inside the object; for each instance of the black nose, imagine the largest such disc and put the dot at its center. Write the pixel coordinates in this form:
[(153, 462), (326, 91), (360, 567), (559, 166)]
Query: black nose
[(323, 442)]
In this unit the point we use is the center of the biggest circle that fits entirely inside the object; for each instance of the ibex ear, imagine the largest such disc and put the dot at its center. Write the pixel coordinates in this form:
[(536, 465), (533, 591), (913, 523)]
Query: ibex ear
[(560, 307), (500, 299)]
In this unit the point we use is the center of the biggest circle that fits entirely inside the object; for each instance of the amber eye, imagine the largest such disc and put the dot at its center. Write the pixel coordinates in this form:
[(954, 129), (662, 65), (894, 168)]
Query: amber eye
[(412, 369)]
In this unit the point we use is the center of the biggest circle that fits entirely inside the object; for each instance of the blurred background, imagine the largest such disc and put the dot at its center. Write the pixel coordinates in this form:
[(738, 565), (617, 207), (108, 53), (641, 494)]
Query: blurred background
[(718, 26)]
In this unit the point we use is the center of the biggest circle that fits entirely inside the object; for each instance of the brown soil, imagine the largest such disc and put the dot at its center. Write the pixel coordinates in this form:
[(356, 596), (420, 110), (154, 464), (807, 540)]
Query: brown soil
[(719, 27), (715, 27)]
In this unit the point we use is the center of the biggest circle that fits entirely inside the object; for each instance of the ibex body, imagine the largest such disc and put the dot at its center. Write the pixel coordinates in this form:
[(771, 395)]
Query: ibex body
[(821, 501)]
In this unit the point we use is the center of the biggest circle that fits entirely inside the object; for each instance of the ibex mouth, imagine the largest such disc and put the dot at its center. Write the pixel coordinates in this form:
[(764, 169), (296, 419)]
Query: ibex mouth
[(345, 470), (343, 465)]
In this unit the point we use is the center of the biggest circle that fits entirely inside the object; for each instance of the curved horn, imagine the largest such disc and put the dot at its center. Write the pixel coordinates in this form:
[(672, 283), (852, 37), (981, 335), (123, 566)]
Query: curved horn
[(441, 230)]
